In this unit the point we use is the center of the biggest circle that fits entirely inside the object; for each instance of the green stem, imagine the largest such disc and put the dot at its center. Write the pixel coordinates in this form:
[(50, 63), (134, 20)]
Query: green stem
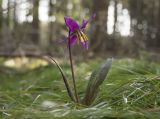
[(72, 70)]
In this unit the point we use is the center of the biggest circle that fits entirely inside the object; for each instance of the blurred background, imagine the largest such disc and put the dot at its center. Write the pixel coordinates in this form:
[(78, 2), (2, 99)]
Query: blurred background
[(121, 27)]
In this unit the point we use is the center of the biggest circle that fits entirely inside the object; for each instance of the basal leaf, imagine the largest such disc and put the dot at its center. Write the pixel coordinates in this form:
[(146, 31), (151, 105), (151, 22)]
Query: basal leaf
[(64, 79), (96, 79)]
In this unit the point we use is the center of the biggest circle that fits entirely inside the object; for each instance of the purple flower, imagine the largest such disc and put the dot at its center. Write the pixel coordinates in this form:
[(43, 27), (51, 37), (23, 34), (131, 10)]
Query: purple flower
[(76, 31)]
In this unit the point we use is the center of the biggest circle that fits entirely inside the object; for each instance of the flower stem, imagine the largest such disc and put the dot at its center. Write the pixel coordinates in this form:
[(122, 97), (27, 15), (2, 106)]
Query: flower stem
[(72, 70)]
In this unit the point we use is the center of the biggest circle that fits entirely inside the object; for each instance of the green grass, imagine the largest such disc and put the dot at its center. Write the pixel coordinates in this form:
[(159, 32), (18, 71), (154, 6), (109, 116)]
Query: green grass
[(132, 91)]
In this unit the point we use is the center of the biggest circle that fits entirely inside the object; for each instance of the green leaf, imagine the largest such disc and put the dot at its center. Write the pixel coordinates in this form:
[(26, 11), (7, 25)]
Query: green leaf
[(64, 79), (96, 79)]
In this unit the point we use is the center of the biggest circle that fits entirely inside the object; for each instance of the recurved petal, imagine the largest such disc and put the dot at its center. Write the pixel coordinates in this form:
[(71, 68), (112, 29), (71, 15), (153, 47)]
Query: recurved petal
[(73, 39), (85, 22), (85, 44), (71, 23)]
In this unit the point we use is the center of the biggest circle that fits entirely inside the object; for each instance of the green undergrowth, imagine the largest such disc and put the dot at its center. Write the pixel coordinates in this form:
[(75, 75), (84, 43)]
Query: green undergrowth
[(131, 91)]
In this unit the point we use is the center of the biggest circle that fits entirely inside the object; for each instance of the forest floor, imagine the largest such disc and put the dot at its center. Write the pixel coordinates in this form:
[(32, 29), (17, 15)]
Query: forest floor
[(33, 91)]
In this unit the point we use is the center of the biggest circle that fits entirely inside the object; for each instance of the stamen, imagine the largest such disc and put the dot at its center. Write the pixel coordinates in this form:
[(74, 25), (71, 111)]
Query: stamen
[(80, 36), (85, 39), (84, 36)]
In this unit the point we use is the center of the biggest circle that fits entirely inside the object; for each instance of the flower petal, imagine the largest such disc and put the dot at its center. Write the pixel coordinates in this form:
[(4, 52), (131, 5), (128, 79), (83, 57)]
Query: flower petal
[(85, 44), (85, 22), (73, 39), (71, 23)]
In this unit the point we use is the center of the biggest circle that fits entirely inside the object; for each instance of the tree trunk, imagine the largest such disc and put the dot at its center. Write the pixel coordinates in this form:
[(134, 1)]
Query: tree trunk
[(99, 38), (137, 16), (35, 23), (157, 22), (51, 11), (8, 14), (15, 15), (115, 16), (1, 16)]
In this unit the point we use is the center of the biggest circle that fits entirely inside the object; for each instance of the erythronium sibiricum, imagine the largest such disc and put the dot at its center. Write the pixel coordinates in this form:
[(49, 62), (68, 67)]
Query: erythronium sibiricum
[(76, 31), (76, 34)]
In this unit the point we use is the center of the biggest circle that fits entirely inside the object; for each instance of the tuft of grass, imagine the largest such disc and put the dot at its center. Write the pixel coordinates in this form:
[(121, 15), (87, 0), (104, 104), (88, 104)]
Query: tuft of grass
[(132, 91)]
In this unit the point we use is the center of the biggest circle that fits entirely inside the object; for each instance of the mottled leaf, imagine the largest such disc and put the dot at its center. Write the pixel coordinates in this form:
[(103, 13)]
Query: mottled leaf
[(96, 79), (64, 79)]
